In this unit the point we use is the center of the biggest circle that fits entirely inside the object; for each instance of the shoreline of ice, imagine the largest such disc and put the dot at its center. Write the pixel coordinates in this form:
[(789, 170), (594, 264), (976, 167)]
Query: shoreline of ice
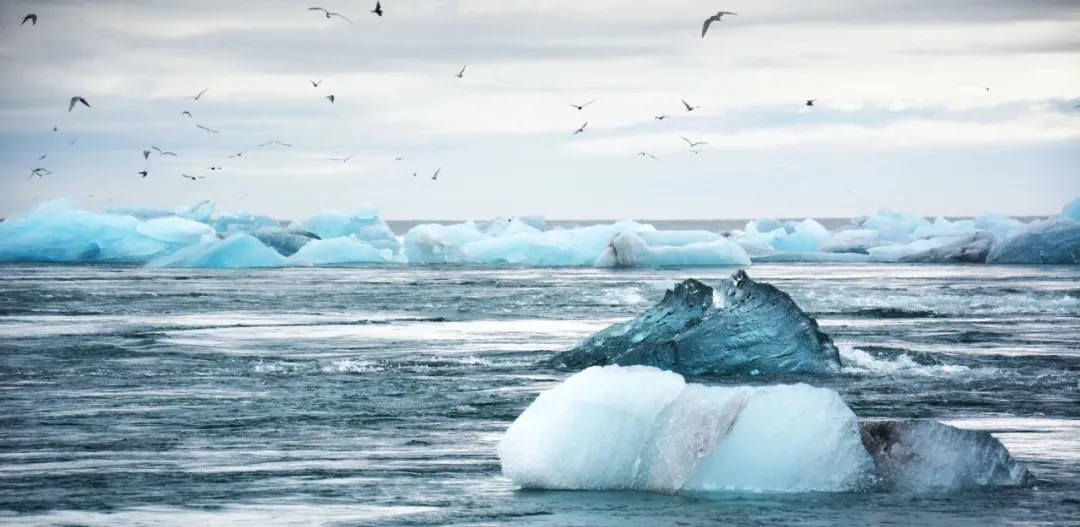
[(61, 232)]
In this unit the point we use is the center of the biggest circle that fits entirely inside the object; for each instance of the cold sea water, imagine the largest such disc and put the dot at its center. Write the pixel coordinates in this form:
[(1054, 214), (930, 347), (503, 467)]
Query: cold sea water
[(378, 395)]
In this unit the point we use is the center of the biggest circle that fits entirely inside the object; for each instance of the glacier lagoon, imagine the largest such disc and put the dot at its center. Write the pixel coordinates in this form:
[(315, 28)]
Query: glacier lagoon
[(384, 394), (194, 237)]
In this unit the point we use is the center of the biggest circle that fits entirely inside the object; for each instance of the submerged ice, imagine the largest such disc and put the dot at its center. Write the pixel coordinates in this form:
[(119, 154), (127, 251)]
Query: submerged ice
[(640, 428), (60, 231)]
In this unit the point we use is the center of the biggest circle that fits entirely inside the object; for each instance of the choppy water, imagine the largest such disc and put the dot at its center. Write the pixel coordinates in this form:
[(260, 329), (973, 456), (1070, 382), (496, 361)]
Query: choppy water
[(376, 396)]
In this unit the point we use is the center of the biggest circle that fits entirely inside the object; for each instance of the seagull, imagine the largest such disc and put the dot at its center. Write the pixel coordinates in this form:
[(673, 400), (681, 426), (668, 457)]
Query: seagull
[(582, 107), (688, 107), (582, 129), (208, 129), (32, 18), (315, 84), (660, 117), (274, 143), (646, 154), (55, 128), (214, 168), (238, 154), (462, 72), (414, 174), (42, 156), (143, 173), (715, 18), (185, 112), (193, 178), (343, 160), (39, 172), (378, 9), (399, 159), (73, 141), (146, 154), (693, 144), (436, 175), (330, 98), (77, 99), (197, 97), (162, 152), (695, 151), (330, 13), (810, 102)]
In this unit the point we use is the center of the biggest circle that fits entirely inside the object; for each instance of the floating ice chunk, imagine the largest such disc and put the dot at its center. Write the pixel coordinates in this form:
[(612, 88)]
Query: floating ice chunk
[(365, 224), (177, 230), (642, 428), (1001, 225), (244, 222), (806, 237), (235, 252), (894, 225), (538, 249), (1071, 211), (629, 249), (58, 231), (337, 251), (201, 212), (432, 243), (1054, 241), (968, 248), (764, 225), (508, 227), (853, 241)]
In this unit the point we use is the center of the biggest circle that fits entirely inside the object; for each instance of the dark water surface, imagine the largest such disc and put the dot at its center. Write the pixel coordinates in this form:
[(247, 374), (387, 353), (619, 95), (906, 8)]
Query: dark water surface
[(377, 396)]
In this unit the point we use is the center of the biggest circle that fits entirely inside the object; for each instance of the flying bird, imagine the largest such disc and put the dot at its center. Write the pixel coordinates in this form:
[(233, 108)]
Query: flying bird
[(582, 107), (208, 129), (274, 143), (238, 154), (693, 144), (582, 129), (344, 159), (688, 107), (462, 72), (436, 175), (214, 168), (646, 154), (715, 18), (143, 173), (39, 172), (74, 100), (330, 98), (330, 13), (73, 141), (414, 174), (199, 96), (32, 18), (810, 102), (185, 112), (315, 84), (162, 152), (146, 154), (43, 156), (378, 9), (193, 178), (660, 117), (55, 128), (399, 159)]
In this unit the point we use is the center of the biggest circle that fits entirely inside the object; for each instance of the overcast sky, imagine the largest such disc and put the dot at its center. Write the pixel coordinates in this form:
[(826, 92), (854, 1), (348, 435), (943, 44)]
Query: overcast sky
[(903, 118)]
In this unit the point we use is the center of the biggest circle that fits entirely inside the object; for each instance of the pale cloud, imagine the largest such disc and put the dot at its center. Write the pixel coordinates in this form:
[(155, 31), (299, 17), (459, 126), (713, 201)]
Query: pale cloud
[(900, 83)]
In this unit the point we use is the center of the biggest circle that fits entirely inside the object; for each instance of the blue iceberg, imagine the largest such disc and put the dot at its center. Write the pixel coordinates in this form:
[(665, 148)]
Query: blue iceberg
[(1055, 241), (365, 224), (240, 251), (339, 251), (740, 327), (243, 222)]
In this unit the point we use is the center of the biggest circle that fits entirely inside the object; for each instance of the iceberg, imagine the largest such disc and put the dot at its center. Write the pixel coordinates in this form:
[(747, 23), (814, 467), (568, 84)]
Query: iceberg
[(807, 236), (431, 243), (740, 327), (630, 249), (365, 224), (1055, 241), (58, 231), (240, 251), (283, 241), (1071, 210), (971, 248), (338, 251), (177, 230), (508, 226), (243, 222), (640, 428)]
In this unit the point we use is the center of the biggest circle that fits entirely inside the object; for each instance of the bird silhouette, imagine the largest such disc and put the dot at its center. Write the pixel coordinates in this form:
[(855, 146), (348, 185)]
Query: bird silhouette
[(646, 154), (146, 154), (32, 18), (199, 96), (330, 98), (582, 129), (143, 173), (378, 9), (330, 13), (688, 107), (193, 178), (715, 18), (185, 112), (435, 176), (343, 159), (315, 84), (207, 129), (660, 117), (75, 100), (162, 152), (582, 106), (462, 72), (810, 102), (693, 144)]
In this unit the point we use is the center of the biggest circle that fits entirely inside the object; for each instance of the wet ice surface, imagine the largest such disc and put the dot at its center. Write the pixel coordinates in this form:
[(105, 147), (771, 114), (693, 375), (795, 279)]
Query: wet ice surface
[(364, 396)]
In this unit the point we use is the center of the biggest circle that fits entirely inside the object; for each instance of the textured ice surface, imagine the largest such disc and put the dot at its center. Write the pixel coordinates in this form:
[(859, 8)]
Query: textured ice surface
[(807, 237), (337, 251), (1071, 210), (741, 326), (630, 249), (240, 251), (642, 428), (243, 222), (431, 243), (365, 224), (58, 231), (177, 230), (1054, 241), (281, 240)]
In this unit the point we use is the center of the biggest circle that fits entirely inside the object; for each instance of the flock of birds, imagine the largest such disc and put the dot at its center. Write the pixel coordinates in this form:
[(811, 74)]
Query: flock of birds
[(378, 11)]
